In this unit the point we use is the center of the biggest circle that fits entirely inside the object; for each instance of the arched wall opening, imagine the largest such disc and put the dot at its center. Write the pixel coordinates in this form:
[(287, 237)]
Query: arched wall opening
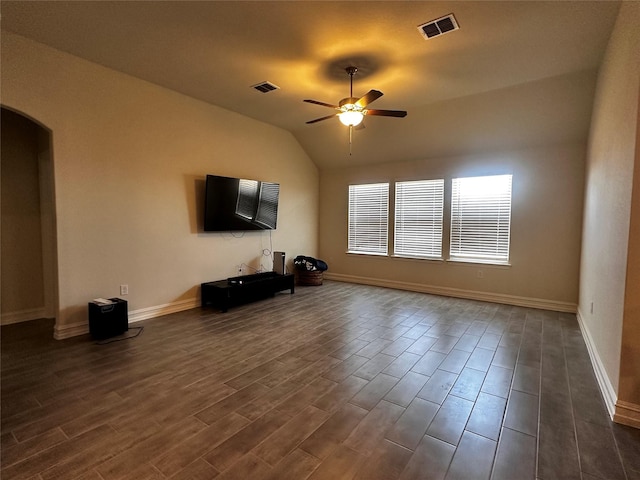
[(28, 250)]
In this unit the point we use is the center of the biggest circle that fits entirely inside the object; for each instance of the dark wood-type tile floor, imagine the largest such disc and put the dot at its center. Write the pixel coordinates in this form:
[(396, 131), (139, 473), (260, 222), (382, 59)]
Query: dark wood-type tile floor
[(336, 382)]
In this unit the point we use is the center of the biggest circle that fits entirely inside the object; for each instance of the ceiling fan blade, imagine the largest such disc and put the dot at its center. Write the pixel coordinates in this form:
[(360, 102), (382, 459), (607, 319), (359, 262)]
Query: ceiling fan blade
[(368, 97), (322, 118), (387, 113), (316, 102)]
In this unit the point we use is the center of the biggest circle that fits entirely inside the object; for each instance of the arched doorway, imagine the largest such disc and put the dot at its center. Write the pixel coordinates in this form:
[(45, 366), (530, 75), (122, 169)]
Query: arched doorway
[(28, 243)]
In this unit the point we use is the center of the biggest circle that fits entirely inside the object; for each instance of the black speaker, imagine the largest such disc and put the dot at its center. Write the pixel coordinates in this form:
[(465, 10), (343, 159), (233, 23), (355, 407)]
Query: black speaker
[(278, 263)]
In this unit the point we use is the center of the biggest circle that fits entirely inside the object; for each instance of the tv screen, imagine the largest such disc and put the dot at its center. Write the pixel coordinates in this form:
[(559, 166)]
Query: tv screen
[(239, 204)]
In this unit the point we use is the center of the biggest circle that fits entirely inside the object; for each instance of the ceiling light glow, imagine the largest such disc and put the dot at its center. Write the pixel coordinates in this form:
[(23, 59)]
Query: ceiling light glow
[(351, 118)]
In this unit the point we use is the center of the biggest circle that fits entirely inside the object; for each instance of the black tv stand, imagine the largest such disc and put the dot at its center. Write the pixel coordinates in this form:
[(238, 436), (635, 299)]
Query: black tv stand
[(245, 288)]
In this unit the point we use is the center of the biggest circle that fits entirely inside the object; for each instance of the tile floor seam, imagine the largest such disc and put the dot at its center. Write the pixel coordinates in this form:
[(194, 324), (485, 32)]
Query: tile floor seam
[(573, 417)]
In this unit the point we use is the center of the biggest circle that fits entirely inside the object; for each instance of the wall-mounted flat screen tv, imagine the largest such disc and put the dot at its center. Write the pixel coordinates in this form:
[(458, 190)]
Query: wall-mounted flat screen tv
[(239, 204)]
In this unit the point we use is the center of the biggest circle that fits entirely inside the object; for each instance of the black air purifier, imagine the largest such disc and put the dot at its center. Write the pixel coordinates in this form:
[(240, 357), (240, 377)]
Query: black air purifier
[(278, 263), (108, 320)]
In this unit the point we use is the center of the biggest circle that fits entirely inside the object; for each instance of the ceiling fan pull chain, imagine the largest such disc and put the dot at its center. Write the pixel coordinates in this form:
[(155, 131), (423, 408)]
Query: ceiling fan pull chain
[(350, 137)]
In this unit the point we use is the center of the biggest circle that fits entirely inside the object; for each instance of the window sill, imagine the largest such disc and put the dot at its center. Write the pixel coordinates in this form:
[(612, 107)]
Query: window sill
[(369, 254), (427, 259), (453, 261), (470, 261)]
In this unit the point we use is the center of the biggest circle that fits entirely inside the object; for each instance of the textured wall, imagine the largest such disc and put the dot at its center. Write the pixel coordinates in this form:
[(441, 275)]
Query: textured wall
[(545, 233), (130, 159), (609, 180)]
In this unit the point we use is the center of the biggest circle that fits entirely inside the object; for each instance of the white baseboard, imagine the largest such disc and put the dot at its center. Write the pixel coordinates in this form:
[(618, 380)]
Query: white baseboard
[(82, 328), (22, 316), (68, 331), (458, 293), (606, 387), (165, 309)]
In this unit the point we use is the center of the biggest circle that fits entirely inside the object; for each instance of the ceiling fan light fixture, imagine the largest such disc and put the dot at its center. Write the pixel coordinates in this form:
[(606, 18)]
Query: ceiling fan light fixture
[(351, 110), (351, 118)]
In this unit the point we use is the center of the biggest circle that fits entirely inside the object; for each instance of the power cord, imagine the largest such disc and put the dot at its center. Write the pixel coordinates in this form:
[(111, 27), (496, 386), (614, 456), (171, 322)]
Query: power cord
[(266, 252), (139, 331)]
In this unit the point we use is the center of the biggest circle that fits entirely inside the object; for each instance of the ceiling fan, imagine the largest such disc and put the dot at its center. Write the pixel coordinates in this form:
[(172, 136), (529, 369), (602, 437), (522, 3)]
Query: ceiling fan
[(351, 111)]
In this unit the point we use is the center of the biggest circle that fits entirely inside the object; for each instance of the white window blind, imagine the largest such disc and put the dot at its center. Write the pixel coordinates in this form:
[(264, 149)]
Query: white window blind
[(368, 218), (418, 218), (481, 218)]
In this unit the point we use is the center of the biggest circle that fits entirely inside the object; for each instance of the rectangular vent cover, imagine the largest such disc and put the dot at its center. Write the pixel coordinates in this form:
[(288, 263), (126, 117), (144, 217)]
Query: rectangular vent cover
[(265, 87), (438, 27)]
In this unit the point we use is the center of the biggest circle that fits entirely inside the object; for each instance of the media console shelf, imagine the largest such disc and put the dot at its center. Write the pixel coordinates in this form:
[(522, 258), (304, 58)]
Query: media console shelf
[(246, 288)]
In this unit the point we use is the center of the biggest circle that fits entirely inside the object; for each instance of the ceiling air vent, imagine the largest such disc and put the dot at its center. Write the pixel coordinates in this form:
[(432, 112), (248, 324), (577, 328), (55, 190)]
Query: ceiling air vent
[(438, 27), (265, 87)]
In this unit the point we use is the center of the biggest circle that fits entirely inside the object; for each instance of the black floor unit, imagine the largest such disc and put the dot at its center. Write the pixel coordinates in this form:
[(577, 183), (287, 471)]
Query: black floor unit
[(108, 320)]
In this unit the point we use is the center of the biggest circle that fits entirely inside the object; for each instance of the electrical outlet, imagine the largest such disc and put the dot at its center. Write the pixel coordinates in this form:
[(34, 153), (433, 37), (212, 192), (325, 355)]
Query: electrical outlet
[(480, 274), (124, 289)]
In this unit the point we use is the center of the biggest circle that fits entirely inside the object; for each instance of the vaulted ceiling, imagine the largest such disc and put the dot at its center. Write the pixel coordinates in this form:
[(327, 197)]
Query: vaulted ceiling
[(515, 74)]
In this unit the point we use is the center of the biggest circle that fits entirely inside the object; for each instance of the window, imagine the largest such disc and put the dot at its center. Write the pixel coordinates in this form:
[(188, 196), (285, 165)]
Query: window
[(418, 218), (481, 218), (368, 218)]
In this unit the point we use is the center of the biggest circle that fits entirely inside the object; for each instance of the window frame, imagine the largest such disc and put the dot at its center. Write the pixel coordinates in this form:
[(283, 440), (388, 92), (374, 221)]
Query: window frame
[(372, 238), (418, 222), (470, 233)]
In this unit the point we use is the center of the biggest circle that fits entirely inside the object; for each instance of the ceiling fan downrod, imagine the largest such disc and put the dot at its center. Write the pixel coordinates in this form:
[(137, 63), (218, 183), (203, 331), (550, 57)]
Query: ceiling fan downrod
[(351, 71)]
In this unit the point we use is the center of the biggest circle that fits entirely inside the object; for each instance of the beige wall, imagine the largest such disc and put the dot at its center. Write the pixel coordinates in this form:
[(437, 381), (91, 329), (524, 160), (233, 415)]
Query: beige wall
[(130, 159), (545, 235), (629, 390), (23, 296), (607, 213)]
